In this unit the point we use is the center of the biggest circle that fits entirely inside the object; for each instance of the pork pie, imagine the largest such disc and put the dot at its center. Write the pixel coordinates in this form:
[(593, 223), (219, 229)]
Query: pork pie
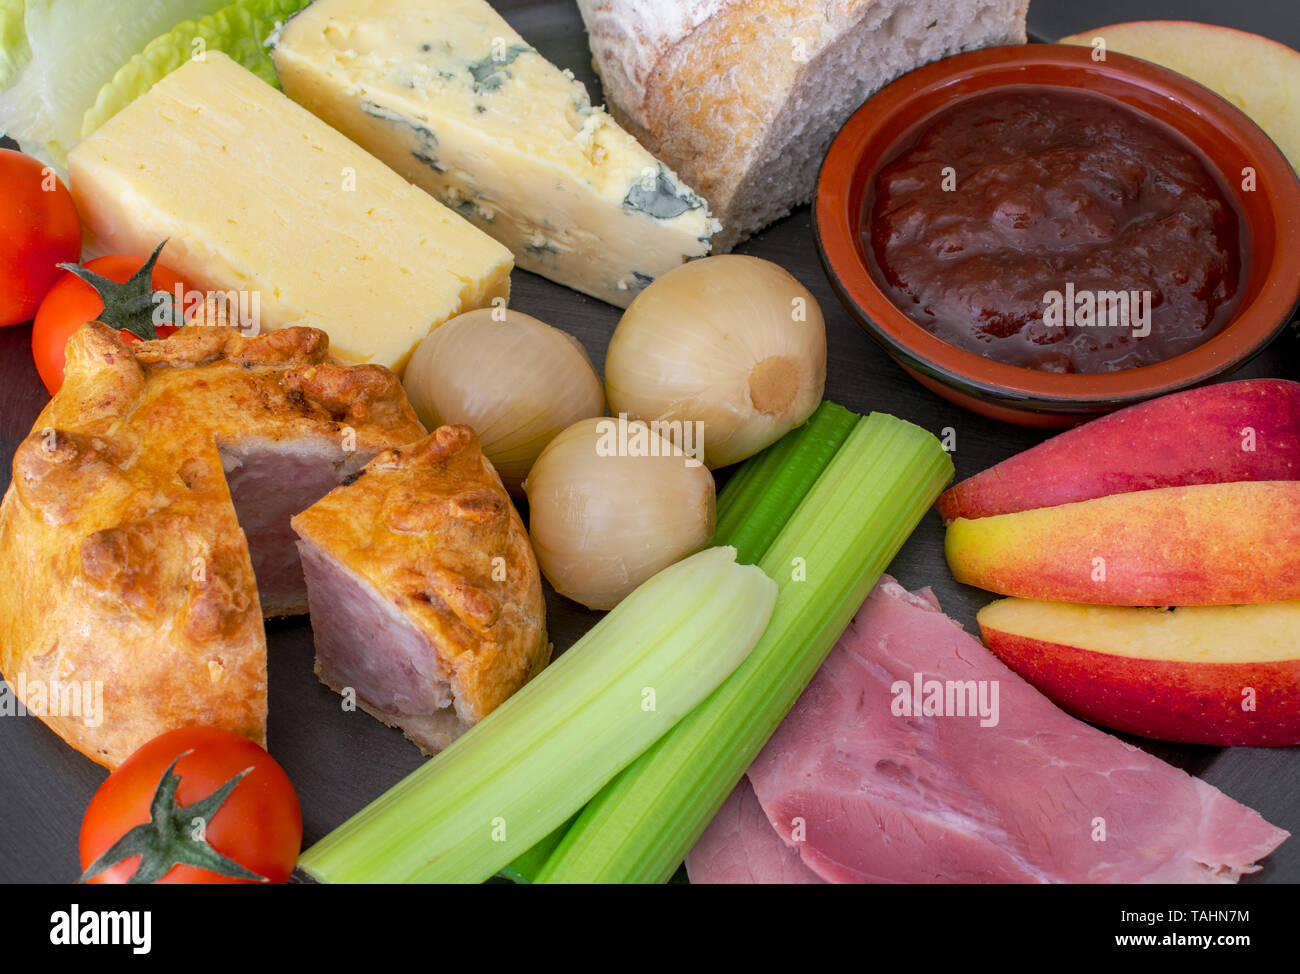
[(122, 558)]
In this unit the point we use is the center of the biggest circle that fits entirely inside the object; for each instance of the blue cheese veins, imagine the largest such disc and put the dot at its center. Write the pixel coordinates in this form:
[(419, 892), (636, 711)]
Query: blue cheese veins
[(664, 198)]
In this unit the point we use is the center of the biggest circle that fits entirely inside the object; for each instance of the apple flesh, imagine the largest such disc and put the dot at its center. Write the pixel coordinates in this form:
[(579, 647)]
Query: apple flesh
[(1256, 74), (1209, 544), (1233, 431), (1219, 675)]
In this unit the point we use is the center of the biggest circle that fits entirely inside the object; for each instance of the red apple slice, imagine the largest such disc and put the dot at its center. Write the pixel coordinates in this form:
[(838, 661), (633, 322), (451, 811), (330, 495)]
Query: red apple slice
[(1245, 430), (1210, 544), (1258, 75), (1220, 675)]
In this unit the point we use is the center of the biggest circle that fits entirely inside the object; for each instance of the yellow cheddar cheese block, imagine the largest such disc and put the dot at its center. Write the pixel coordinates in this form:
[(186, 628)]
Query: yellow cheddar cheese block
[(256, 195)]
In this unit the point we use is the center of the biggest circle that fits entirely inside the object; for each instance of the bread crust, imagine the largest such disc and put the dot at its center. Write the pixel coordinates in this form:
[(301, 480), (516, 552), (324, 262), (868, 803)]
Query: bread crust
[(710, 86), (628, 39), (122, 562), (433, 532)]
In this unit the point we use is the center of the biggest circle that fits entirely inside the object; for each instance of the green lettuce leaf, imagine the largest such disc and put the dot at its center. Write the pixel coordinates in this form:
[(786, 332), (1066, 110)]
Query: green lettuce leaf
[(239, 30), (15, 52), (55, 56)]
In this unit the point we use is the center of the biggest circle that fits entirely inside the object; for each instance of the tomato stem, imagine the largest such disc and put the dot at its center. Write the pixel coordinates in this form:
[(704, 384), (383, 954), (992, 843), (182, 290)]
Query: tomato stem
[(133, 306)]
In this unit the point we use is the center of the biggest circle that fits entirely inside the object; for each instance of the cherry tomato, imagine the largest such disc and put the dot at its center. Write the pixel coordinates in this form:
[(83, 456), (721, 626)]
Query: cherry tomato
[(39, 228), (258, 825), (72, 302)]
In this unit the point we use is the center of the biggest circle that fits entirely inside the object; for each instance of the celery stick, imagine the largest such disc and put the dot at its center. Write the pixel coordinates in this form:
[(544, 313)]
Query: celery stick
[(537, 758), (741, 487), (752, 514), (752, 509), (525, 868), (844, 534), (745, 485)]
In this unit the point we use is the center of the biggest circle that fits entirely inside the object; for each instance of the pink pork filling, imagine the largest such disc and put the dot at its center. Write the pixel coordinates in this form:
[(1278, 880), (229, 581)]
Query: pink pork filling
[(270, 481), (349, 621)]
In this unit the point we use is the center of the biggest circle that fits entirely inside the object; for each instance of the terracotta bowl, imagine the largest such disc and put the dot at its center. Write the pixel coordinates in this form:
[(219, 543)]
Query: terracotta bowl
[(1228, 141)]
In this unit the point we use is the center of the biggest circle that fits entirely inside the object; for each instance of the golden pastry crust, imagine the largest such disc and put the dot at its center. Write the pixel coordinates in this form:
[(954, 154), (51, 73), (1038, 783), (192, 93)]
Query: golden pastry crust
[(432, 529), (122, 562)]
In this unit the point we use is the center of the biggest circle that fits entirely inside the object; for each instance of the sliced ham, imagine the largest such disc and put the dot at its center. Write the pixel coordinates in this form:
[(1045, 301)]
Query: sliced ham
[(865, 795), (740, 846)]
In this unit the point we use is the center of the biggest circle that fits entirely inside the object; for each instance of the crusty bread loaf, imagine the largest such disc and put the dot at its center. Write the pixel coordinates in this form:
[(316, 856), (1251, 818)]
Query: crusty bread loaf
[(743, 97)]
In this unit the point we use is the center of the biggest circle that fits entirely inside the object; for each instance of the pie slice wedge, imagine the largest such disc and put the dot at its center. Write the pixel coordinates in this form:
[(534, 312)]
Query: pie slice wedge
[(426, 600)]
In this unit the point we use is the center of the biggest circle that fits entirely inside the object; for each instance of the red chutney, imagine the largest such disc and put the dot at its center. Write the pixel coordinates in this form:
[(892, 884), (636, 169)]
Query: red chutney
[(1066, 213)]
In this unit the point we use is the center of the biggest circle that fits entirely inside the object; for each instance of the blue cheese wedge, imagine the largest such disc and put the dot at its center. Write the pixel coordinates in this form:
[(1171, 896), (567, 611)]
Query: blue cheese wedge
[(255, 195), (448, 95)]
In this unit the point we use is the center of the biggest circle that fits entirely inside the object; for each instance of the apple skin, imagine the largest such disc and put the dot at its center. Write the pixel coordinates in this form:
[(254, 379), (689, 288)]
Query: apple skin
[(1146, 446), (1190, 701), (1258, 75), (1209, 544)]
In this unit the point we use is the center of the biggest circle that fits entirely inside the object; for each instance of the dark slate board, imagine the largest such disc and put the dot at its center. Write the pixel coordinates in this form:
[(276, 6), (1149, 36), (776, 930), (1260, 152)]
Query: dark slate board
[(340, 761)]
